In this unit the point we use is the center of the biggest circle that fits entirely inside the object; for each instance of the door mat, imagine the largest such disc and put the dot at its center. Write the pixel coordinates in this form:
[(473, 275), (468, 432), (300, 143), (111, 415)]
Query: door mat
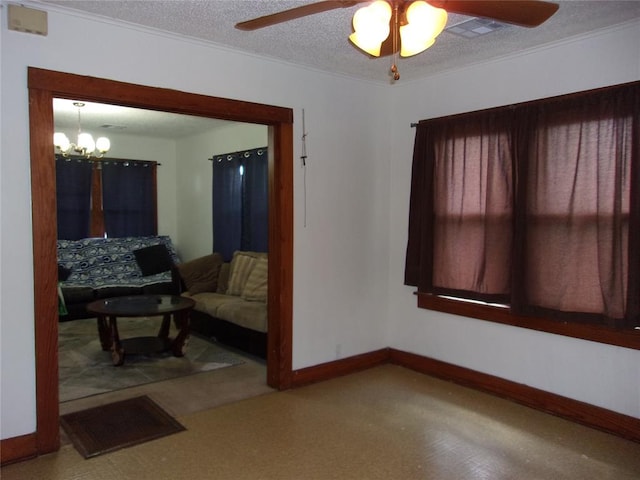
[(117, 425)]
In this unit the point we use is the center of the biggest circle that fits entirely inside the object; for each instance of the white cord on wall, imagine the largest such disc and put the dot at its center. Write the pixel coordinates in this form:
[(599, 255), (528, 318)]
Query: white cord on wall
[(303, 158)]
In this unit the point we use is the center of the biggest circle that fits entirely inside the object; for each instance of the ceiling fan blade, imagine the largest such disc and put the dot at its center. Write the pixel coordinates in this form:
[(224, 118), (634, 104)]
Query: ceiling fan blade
[(525, 13), (297, 12)]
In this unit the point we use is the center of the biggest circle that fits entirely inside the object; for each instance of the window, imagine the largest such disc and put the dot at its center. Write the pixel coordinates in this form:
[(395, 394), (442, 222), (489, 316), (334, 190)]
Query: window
[(114, 198), (534, 206)]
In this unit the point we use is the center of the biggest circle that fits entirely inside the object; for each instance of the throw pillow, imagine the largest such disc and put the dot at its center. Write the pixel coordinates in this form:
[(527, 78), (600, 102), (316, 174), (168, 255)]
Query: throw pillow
[(241, 266), (255, 289), (153, 259), (63, 272), (201, 275), (223, 278)]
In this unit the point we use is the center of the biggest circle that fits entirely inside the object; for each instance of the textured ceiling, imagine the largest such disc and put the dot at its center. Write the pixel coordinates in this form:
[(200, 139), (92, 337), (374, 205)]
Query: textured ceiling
[(105, 120), (320, 42)]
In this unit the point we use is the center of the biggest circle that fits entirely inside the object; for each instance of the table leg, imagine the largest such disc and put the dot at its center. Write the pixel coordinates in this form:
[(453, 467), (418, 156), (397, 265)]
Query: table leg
[(165, 327), (104, 333), (117, 352), (179, 345)]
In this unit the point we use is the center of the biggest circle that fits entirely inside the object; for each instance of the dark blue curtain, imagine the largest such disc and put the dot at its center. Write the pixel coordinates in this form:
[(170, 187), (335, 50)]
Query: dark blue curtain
[(128, 198), (240, 202), (227, 204), (255, 209), (73, 197)]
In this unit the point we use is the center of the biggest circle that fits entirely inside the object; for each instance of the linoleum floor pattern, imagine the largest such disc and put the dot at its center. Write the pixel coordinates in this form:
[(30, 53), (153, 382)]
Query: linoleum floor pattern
[(384, 423)]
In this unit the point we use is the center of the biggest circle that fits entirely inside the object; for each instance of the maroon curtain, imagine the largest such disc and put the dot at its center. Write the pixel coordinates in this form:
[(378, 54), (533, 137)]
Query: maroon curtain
[(535, 205), (462, 174)]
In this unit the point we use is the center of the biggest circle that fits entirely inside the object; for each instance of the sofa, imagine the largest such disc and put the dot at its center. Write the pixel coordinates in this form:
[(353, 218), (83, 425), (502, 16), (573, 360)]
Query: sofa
[(95, 268), (231, 298)]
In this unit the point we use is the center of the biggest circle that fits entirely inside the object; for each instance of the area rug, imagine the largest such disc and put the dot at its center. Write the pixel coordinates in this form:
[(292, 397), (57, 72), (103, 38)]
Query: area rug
[(85, 369), (117, 425)]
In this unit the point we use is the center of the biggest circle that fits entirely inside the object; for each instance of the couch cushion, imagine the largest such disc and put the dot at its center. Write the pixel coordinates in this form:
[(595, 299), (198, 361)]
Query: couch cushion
[(109, 292), (255, 288), (241, 266), (223, 277), (78, 295), (252, 315), (164, 288), (210, 302), (201, 275), (153, 259)]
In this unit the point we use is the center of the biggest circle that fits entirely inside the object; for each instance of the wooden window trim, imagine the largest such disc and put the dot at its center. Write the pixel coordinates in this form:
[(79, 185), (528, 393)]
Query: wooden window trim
[(594, 333)]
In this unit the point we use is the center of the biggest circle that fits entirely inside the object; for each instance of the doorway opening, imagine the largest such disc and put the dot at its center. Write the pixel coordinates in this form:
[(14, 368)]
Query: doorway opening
[(183, 148), (43, 86)]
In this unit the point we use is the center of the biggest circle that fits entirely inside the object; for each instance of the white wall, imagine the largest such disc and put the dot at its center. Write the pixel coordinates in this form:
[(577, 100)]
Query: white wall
[(195, 237), (340, 258), (598, 374)]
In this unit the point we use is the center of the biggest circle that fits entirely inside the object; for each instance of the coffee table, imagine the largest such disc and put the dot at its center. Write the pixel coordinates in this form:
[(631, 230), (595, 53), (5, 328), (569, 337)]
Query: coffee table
[(109, 309)]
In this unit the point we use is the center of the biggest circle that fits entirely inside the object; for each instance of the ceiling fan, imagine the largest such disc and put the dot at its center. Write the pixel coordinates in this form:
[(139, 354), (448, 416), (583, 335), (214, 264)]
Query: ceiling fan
[(408, 27)]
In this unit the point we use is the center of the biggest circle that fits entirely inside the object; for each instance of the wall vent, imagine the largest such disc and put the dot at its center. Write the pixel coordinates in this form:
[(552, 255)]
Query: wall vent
[(475, 27)]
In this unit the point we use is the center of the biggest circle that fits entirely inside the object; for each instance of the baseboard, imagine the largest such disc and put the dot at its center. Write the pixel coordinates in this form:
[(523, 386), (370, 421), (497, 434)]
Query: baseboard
[(567, 408), (17, 449), (551, 403), (338, 368)]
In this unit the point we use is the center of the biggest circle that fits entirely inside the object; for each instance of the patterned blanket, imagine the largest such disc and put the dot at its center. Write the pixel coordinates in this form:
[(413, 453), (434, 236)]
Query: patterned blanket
[(109, 262)]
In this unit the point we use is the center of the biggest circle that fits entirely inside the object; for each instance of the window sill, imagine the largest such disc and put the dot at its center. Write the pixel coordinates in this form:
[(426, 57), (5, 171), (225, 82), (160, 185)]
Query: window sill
[(620, 338)]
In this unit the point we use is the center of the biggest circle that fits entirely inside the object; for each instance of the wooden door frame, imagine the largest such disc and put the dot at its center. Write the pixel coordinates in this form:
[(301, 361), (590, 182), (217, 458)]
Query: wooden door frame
[(43, 86)]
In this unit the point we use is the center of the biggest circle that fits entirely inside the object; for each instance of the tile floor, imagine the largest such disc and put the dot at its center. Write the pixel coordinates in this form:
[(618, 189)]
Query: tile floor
[(384, 423)]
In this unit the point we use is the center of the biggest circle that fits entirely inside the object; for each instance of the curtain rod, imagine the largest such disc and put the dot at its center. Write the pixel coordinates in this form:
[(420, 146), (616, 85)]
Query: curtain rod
[(246, 153), (102, 159)]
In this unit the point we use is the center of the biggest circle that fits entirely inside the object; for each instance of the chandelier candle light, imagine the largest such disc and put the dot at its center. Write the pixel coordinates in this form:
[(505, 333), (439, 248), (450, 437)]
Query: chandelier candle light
[(85, 144)]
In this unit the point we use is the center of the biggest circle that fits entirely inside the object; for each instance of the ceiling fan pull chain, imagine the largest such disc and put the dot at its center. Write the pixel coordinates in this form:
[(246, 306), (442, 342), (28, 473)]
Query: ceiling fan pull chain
[(394, 57), (394, 72)]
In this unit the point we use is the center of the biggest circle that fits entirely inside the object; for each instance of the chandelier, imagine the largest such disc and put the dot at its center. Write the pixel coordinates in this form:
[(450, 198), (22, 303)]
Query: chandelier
[(418, 26), (85, 144)]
